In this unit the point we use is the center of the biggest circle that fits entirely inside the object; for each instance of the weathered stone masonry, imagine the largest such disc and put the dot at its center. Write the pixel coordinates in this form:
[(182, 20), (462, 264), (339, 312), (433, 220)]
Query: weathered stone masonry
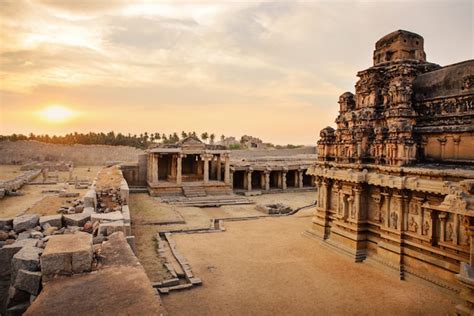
[(395, 180)]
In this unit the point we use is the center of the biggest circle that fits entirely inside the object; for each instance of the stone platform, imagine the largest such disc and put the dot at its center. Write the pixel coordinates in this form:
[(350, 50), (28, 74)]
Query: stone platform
[(119, 287)]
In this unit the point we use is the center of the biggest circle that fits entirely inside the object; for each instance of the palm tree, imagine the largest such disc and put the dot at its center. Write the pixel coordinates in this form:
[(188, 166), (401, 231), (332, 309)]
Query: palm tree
[(222, 138), (204, 136), (212, 137), (184, 134)]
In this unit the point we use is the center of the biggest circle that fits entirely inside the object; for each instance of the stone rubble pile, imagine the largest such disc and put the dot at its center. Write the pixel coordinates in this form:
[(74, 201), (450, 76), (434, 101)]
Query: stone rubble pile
[(273, 209), (34, 249)]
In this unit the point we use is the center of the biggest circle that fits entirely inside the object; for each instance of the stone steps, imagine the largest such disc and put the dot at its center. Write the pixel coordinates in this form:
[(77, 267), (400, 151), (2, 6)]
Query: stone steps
[(210, 201), (194, 191)]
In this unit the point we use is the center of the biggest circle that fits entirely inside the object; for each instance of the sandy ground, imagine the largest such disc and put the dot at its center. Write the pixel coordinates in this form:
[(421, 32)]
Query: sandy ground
[(266, 267), (11, 206), (9, 172), (149, 216)]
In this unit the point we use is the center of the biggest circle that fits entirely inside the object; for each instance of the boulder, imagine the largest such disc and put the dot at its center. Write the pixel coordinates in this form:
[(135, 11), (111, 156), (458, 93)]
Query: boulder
[(67, 254), (53, 220), (6, 223), (25, 222), (76, 219), (28, 281)]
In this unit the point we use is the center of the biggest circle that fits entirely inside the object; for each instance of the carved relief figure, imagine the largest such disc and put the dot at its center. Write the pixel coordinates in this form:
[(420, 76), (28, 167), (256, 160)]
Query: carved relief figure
[(412, 225), (426, 228), (394, 220)]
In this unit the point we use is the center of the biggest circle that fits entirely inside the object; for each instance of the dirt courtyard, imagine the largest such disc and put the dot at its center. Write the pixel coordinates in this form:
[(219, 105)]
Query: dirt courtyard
[(267, 267)]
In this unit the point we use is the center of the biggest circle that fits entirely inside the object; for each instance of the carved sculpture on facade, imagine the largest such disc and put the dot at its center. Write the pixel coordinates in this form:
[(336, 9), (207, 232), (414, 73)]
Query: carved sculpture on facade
[(405, 115)]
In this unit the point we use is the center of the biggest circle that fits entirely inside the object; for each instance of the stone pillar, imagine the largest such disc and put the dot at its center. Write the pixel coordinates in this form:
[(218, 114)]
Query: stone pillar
[(155, 169), (205, 158), (356, 204), (300, 179), (249, 179), (283, 179), (148, 168), (179, 169), (231, 178), (297, 180), (267, 180), (219, 177), (227, 169), (442, 218)]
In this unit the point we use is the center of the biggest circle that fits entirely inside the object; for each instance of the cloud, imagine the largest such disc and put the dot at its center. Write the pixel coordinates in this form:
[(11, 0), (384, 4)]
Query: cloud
[(272, 61)]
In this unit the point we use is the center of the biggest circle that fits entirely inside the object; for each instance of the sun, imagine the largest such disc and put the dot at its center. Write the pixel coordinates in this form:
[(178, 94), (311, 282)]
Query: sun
[(57, 113)]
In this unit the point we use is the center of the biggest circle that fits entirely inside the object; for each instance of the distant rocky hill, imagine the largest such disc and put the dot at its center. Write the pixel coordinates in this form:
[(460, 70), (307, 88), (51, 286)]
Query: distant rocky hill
[(20, 152)]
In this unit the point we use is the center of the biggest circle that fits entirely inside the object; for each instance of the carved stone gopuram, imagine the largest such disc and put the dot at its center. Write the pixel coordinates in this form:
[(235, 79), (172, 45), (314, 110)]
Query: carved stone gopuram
[(395, 180)]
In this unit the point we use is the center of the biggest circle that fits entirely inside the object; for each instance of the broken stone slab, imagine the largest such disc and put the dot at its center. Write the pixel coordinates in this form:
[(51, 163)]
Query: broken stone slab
[(107, 217), (25, 222), (6, 223), (25, 259), (8, 251), (53, 220), (76, 219), (28, 281), (108, 228), (67, 254), (195, 281)]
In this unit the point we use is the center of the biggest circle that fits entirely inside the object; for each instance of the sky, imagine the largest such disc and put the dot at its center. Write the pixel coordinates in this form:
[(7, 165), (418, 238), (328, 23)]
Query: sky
[(271, 69)]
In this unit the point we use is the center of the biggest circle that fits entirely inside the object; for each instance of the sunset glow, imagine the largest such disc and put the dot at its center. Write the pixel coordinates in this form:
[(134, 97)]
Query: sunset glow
[(57, 114)]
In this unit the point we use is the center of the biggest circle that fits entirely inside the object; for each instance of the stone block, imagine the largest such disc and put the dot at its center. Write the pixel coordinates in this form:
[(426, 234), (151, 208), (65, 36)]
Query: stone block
[(90, 199), (88, 210), (25, 259), (53, 220), (67, 254), (107, 217), (28, 281), (25, 222), (18, 310), (108, 228), (8, 251), (126, 214), (6, 223), (76, 219)]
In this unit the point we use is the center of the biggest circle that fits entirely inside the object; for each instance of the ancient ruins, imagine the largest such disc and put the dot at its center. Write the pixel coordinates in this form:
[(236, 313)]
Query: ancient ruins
[(260, 230), (395, 180)]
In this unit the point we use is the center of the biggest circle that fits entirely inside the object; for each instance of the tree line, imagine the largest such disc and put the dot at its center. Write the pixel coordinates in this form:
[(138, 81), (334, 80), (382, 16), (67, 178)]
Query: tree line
[(143, 140)]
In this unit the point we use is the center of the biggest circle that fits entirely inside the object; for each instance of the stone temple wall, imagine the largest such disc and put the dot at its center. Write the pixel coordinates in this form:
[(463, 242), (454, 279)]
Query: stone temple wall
[(395, 180)]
